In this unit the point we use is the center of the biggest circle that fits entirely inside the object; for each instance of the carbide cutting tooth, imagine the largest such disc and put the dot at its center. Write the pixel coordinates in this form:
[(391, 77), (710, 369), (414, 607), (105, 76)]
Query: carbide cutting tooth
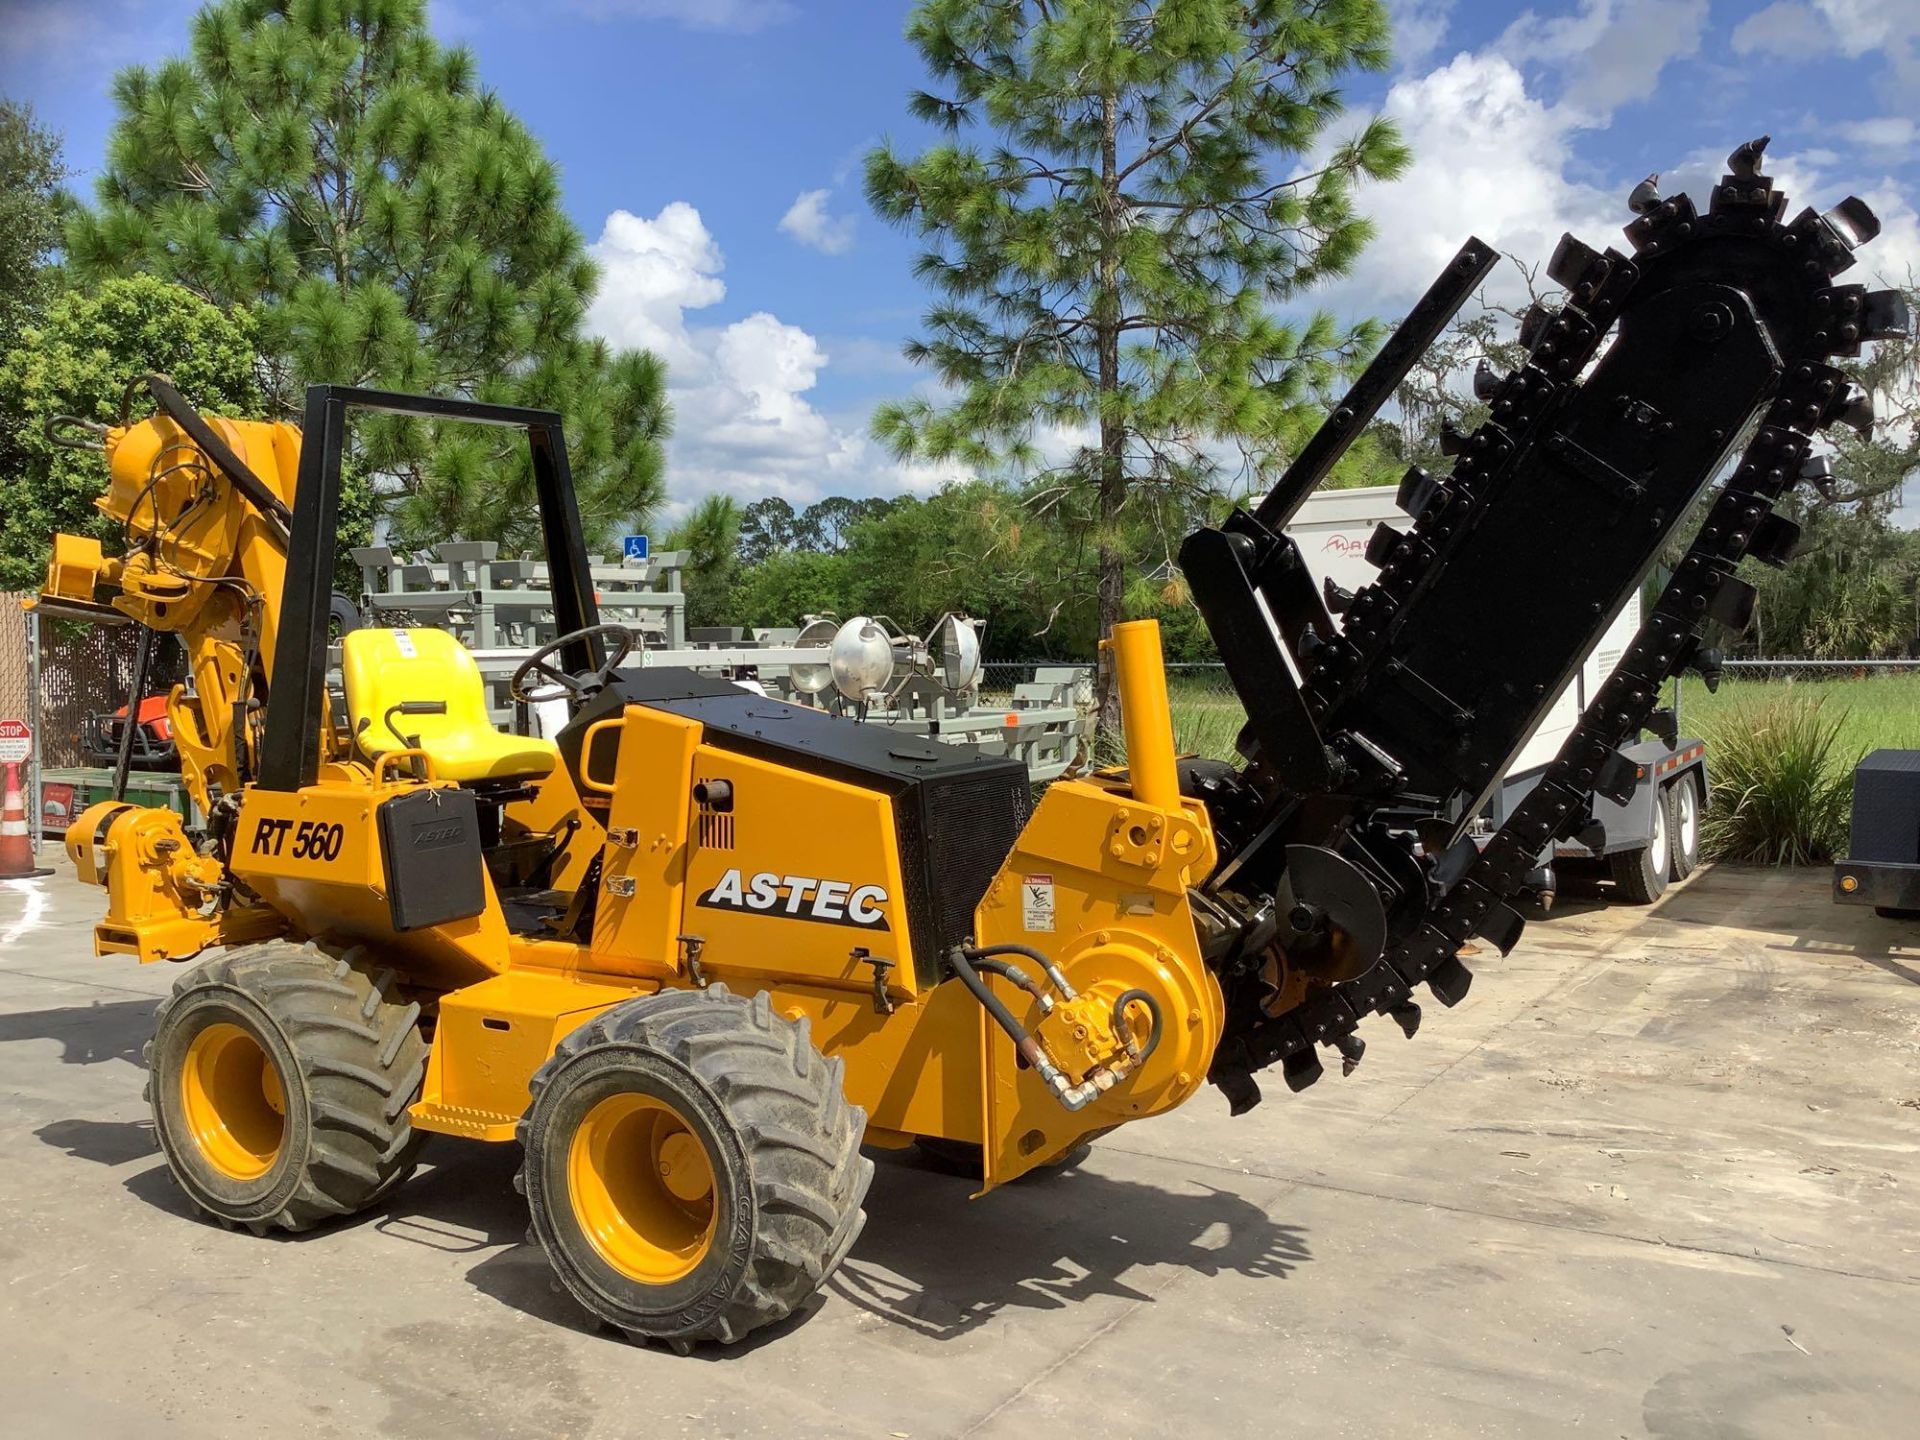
[(1352, 1051), (1453, 440), (1856, 410), (1643, 197), (1708, 663), (1817, 471), (1407, 1016), (1337, 597), (1486, 381), (1744, 162), (1534, 324)]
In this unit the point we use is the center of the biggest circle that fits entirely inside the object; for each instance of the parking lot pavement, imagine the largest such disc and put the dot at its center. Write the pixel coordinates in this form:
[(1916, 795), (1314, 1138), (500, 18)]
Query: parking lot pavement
[(1656, 1176)]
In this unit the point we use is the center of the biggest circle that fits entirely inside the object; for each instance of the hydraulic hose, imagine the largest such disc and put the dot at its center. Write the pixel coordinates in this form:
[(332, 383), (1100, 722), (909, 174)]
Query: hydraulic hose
[(1124, 1030), (1101, 1078), (1022, 1038), (1014, 975), (1052, 971)]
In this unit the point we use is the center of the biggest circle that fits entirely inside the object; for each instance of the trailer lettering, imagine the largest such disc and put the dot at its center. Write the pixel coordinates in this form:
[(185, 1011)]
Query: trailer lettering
[(802, 897)]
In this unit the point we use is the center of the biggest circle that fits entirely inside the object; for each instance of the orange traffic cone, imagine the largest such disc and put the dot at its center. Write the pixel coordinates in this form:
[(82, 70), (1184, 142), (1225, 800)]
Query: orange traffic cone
[(16, 848)]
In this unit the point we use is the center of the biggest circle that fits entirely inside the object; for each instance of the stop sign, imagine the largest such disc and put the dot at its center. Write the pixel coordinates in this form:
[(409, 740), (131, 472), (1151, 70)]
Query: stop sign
[(16, 741)]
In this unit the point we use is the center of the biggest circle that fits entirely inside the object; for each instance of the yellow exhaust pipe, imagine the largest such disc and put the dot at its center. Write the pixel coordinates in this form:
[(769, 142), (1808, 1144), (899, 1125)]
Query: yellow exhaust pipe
[(1145, 713)]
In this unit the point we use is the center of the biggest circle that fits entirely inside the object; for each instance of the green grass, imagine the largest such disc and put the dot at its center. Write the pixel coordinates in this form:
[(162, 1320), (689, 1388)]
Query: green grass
[(1781, 752), (1206, 716), (1873, 710)]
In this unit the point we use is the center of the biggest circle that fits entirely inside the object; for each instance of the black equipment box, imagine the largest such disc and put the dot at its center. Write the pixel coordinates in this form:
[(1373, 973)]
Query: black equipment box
[(1882, 867), (430, 849)]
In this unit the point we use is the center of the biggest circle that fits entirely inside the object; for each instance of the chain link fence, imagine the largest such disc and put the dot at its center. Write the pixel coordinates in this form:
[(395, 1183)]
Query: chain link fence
[(1785, 668), (1207, 716), (20, 690), (88, 670)]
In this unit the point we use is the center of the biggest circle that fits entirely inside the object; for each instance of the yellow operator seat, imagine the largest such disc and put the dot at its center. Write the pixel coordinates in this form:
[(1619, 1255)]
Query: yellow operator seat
[(392, 676)]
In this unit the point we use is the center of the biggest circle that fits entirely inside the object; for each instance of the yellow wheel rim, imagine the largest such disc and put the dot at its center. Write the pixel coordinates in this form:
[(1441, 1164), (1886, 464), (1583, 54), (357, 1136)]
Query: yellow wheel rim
[(236, 1110), (642, 1187)]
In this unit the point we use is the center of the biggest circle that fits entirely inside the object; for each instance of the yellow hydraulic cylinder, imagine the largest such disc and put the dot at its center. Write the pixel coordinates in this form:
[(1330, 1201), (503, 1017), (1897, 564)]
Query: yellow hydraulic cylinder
[(1145, 714)]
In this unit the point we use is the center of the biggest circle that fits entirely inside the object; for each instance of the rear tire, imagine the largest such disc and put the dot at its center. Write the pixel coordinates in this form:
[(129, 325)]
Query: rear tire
[(693, 1168), (1640, 875), (279, 1076), (1683, 825)]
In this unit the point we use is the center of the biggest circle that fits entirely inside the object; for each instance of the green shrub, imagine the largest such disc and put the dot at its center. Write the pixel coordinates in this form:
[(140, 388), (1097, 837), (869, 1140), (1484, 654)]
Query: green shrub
[(1783, 787)]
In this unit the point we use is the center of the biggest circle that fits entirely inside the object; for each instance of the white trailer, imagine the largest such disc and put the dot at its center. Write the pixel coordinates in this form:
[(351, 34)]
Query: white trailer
[(1655, 836)]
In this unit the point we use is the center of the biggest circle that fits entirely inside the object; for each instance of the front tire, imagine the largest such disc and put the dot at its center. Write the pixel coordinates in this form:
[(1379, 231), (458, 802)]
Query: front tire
[(693, 1168), (279, 1078)]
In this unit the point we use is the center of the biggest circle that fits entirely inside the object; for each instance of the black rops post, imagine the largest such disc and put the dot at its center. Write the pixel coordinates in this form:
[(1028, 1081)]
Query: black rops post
[(290, 750)]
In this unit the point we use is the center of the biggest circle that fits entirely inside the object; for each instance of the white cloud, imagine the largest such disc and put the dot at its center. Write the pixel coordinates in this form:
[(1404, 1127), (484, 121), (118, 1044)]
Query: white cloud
[(1893, 133), (1785, 28), (738, 16), (1612, 51), (1489, 160), (1885, 30), (1419, 29), (652, 273), (808, 221), (744, 423)]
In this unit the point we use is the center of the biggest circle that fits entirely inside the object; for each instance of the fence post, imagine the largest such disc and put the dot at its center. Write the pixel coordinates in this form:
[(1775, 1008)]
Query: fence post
[(38, 824)]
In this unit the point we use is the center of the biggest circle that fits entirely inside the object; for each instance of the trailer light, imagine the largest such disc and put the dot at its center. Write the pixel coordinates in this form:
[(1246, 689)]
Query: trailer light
[(1849, 883)]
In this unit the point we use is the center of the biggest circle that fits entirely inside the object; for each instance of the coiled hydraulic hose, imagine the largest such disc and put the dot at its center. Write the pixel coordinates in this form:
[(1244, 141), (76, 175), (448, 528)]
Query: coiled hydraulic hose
[(965, 959)]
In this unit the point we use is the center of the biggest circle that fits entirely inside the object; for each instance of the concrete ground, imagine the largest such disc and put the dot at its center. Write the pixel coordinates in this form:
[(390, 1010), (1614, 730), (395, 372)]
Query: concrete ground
[(1657, 1176)]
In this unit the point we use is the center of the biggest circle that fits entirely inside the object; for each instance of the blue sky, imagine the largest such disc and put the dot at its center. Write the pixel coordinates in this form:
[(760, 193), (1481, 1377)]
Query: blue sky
[(711, 148)]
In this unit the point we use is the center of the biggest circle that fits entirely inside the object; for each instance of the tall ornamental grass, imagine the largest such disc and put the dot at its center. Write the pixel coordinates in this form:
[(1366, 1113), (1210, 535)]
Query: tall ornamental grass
[(1783, 784)]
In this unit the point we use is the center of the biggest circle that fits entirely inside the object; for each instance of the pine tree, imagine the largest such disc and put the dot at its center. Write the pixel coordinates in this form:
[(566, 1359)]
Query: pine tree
[(30, 209), (389, 223), (30, 201), (1128, 191), (76, 359), (711, 537)]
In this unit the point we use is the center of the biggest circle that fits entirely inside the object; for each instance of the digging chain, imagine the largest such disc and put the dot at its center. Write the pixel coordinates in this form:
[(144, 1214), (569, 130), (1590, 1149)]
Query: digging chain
[(1703, 590)]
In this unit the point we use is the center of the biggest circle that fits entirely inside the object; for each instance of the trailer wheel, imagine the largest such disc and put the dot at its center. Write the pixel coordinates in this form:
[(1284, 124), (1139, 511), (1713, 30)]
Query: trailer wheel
[(693, 1168), (1683, 825), (280, 1077), (1640, 874)]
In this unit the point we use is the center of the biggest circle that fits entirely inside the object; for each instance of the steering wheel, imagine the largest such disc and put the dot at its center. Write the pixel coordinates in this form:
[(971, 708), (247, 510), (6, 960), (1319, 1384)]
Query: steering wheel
[(578, 687)]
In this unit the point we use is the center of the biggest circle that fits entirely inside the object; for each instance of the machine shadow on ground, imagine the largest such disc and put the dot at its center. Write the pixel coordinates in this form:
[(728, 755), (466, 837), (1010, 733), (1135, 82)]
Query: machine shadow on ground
[(87, 1034), (940, 1265)]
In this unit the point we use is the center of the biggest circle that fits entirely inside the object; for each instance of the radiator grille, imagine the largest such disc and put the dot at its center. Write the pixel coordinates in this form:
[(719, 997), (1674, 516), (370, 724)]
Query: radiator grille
[(954, 836)]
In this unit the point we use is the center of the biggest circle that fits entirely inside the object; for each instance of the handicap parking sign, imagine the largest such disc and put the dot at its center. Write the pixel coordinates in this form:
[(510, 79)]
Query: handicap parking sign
[(633, 547)]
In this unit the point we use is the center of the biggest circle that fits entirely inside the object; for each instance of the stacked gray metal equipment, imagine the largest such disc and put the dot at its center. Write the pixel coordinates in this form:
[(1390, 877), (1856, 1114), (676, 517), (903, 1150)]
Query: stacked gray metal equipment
[(493, 603), (503, 611)]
